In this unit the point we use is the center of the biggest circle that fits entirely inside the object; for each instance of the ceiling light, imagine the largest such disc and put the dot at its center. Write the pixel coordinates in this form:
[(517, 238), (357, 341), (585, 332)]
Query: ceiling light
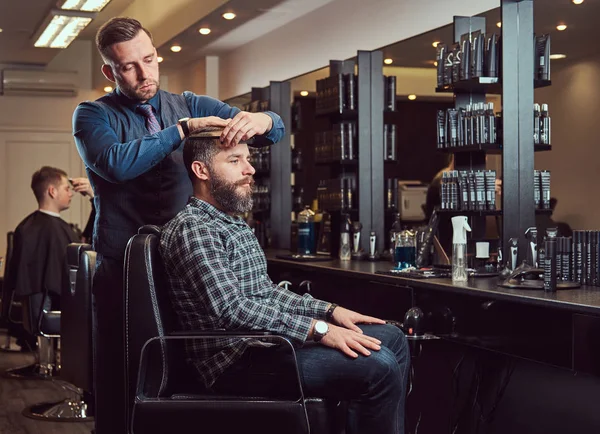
[(176, 48), (229, 15), (108, 88), (85, 5), (388, 61), (499, 24), (435, 44), (0, 30), (204, 30), (561, 27), (159, 59), (577, 2), (558, 56), (304, 93), (61, 28), (412, 97)]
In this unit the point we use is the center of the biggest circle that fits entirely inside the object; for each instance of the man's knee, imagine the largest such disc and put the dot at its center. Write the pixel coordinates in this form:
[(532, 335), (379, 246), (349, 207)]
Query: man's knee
[(383, 370), (390, 336)]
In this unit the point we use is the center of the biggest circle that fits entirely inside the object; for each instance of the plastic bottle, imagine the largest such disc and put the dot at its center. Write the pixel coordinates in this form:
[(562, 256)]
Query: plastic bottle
[(459, 248), (345, 249)]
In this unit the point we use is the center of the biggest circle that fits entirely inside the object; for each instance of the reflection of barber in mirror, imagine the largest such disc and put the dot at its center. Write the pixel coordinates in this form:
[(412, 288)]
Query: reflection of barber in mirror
[(218, 279)]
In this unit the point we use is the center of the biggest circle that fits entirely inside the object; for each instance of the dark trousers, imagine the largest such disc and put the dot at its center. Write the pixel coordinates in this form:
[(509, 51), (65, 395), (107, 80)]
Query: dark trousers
[(109, 353), (375, 386)]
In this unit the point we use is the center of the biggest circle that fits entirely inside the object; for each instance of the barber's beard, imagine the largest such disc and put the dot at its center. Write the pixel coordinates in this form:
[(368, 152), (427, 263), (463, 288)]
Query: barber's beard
[(228, 195), (136, 94)]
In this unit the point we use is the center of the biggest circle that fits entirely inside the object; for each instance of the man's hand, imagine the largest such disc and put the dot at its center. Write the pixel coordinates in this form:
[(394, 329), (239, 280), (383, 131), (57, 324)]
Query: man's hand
[(197, 124), (82, 185), (348, 319), (350, 342), (244, 126)]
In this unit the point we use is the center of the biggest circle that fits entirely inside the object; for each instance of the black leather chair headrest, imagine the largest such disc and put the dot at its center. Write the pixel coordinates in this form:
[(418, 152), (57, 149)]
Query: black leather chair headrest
[(149, 229), (74, 251)]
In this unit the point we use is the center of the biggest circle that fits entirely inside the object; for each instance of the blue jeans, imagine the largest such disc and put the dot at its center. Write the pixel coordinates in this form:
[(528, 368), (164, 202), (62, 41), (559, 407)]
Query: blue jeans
[(374, 386)]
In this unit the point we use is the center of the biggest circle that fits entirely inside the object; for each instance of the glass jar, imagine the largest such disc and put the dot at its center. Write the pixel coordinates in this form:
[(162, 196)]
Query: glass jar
[(406, 249), (306, 231)]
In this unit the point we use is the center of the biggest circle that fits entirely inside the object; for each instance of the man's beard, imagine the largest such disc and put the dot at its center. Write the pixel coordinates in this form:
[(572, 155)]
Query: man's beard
[(226, 194), (135, 94)]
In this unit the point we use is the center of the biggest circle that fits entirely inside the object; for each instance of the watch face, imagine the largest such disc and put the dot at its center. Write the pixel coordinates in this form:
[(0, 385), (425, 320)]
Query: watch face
[(321, 327)]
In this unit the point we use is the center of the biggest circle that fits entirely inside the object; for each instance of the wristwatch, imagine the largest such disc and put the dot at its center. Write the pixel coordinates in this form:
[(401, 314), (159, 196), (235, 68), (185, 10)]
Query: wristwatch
[(184, 126), (320, 330)]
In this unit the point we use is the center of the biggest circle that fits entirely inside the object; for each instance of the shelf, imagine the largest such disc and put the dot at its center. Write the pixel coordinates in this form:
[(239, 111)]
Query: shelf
[(336, 116), (337, 162), (483, 213), (488, 148), (495, 212), (489, 85)]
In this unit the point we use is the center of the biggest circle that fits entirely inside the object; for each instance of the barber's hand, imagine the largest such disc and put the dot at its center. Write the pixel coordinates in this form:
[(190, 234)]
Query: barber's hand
[(348, 319), (244, 126), (82, 186), (350, 342), (197, 124)]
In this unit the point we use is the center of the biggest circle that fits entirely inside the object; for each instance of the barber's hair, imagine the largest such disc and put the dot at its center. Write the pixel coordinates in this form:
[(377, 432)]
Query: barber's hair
[(41, 180), (115, 30), (201, 148)]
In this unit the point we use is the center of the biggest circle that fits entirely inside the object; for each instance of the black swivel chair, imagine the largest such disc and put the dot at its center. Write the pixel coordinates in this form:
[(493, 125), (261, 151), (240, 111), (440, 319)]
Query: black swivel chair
[(75, 327), (160, 398), (10, 309)]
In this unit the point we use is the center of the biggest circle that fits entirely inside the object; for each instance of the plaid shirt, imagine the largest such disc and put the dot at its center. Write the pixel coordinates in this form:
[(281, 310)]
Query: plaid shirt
[(218, 279)]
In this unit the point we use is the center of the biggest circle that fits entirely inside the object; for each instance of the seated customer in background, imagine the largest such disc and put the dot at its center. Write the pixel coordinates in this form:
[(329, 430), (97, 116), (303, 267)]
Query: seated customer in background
[(218, 279), (40, 241)]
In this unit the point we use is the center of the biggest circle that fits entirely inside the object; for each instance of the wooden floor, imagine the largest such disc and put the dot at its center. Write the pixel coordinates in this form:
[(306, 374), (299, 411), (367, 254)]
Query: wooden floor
[(15, 395)]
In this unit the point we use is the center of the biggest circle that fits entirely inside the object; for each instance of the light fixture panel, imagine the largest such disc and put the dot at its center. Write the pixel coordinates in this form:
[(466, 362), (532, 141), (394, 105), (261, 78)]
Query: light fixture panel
[(61, 27), (85, 5)]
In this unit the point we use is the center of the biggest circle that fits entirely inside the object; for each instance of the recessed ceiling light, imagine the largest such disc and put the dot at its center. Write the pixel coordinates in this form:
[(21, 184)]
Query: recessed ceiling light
[(577, 2), (0, 30), (561, 27), (304, 93), (229, 15), (176, 48), (435, 44), (108, 88), (204, 30), (388, 61), (499, 24), (557, 56), (412, 97), (159, 59)]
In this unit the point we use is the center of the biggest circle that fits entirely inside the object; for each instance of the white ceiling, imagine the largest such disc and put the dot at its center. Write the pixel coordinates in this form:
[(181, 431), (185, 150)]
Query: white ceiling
[(172, 21)]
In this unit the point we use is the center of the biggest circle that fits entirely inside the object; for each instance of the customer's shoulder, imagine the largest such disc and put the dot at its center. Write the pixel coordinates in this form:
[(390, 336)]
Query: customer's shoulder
[(189, 217)]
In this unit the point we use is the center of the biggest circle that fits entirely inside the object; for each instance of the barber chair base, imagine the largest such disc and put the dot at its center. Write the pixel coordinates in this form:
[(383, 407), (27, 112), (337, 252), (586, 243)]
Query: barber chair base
[(30, 372), (68, 410)]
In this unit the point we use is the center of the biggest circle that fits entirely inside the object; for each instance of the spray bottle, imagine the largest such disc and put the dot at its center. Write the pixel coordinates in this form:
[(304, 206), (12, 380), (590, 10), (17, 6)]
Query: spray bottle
[(459, 248)]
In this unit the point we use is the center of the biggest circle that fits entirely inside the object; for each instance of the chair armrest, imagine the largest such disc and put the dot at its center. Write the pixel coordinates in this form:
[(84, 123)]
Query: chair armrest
[(260, 335), (221, 333)]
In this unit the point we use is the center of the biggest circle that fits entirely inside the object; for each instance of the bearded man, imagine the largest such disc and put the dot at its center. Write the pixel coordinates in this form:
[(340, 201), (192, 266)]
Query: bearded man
[(218, 279)]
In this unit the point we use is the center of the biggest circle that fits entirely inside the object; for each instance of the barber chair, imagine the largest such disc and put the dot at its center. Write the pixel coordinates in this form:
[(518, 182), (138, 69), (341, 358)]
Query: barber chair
[(75, 327), (10, 309), (161, 397)]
